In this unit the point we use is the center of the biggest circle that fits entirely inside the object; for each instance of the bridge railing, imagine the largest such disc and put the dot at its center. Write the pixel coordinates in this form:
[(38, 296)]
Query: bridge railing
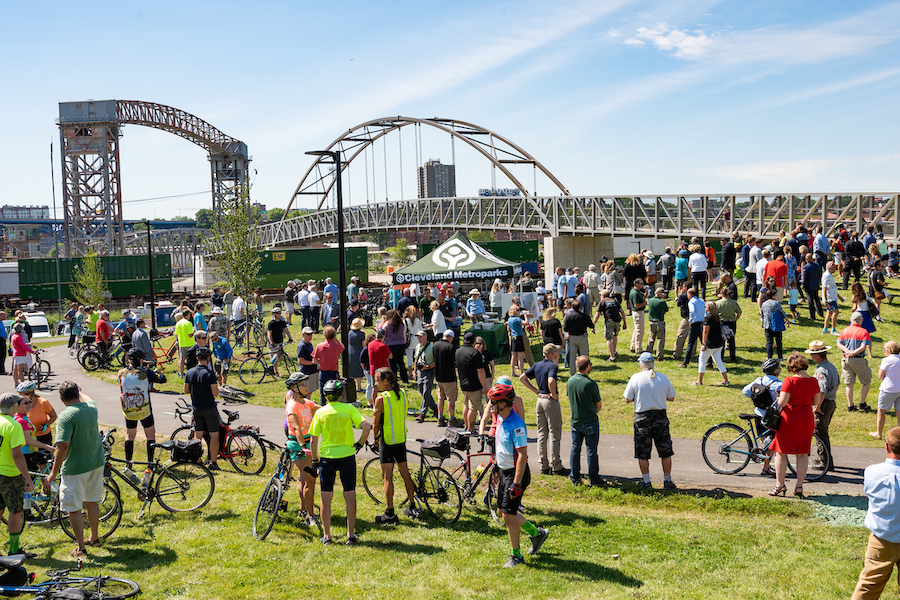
[(763, 215)]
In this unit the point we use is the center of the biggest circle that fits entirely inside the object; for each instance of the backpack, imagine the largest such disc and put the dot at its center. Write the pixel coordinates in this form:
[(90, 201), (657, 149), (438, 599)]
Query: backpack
[(727, 333), (760, 395), (776, 321)]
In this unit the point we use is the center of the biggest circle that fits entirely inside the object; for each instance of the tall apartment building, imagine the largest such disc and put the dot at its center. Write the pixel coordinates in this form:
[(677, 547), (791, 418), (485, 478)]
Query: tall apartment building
[(437, 180)]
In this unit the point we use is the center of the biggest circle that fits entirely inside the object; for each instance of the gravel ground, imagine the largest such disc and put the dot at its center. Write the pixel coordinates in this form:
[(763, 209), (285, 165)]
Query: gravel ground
[(841, 510)]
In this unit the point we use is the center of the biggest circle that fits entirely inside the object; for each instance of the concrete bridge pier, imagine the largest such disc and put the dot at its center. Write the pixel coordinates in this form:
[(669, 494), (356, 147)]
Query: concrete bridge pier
[(573, 251)]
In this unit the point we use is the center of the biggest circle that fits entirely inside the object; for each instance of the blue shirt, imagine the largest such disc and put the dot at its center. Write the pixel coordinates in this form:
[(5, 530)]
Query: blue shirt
[(333, 290), (882, 486), (820, 244), (474, 306), (771, 382), (222, 349), (512, 435), (811, 275), (305, 351), (867, 240), (791, 263), (199, 321), (571, 282), (745, 256), (561, 286), (696, 310), (3, 333), (541, 372), (681, 267), (515, 326)]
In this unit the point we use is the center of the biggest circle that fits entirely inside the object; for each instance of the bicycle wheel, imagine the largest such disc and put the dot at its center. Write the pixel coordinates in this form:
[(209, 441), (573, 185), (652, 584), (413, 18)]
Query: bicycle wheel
[(492, 496), (373, 481), (246, 452), (183, 433), (184, 486), (252, 370), (73, 351), (441, 495), (39, 372), (813, 473), (110, 514), (231, 397), (107, 587), (726, 448), (236, 390), (91, 360), (267, 508)]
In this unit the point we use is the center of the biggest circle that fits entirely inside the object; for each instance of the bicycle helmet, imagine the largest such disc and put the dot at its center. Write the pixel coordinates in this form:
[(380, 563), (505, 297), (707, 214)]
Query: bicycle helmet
[(333, 390), (26, 386), (770, 366), (294, 379), (502, 392)]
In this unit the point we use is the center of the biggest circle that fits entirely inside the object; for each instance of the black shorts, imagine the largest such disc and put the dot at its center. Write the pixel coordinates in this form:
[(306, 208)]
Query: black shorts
[(518, 344), (391, 453), (146, 422), (510, 506), (652, 427), (207, 420), (330, 467)]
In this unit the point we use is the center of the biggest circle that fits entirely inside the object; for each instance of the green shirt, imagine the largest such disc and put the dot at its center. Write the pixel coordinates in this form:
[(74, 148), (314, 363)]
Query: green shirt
[(729, 309), (335, 424), (636, 298), (184, 331), (657, 308), (584, 394), (78, 426), (11, 436)]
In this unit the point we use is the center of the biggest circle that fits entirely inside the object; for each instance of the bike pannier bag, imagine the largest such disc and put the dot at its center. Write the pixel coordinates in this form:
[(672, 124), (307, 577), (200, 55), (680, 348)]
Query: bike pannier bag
[(457, 438), (190, 451), (72, 594), (772, 418), (436, 447)]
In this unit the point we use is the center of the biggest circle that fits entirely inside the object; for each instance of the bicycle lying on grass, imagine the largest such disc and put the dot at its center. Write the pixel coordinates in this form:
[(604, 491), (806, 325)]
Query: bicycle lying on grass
[(728, 448), (243, 447), (178, 485), (99, 587)]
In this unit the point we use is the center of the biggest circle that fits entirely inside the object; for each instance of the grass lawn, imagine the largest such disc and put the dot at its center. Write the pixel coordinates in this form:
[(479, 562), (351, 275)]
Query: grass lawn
[(696, 408)]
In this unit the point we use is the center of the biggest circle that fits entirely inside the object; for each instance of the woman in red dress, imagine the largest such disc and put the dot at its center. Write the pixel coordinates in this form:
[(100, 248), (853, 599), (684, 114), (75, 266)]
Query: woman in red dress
[(800, 397)]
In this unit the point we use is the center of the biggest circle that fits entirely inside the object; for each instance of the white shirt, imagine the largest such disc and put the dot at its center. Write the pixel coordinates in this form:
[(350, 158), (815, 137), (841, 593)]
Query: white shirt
[(755, 255), (303, 297), (238, 308), (438, 324), (891, 367), (760, 267), (313, 299), (698, 263), (649, 393)]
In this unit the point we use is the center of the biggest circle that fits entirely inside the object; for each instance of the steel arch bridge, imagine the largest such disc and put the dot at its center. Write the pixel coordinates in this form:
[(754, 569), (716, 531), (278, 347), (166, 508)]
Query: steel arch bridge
[(650, 216), (89, 138)]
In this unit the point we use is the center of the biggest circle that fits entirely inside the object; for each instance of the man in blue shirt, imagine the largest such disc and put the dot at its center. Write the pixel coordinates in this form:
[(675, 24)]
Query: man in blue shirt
[(696, 314), (549, 415), (821, 247), (882, 486), (869, 238), (512, 460)]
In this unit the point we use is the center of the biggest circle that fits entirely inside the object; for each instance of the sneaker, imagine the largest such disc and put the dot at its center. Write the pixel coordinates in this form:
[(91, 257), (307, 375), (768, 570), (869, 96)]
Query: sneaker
[(312, 521), (514, 561), (546, 472), (644, 485), (825, 330), (213, 467), (413, 512), (538, 540), (420, 418), (387, 520), (852, 409), (669, 485), (834, 331), (564, 472), (442, 421)]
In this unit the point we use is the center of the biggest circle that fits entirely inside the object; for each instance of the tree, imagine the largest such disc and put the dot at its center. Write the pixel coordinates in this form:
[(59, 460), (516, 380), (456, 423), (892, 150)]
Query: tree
[(204, 218), (274, 214), (90, 285), (234, 241), (482, 236), (400, 252)]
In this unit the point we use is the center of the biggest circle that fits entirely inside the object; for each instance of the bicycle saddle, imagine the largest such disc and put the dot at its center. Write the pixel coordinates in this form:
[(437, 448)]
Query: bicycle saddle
[(166, 445), (747, 417), (232, 415), (12, 561)]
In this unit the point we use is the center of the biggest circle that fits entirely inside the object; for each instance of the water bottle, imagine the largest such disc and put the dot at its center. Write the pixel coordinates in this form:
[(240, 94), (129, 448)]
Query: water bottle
[(480, 470), (27, 503), (132, 477), (54, 487), (145, 482)]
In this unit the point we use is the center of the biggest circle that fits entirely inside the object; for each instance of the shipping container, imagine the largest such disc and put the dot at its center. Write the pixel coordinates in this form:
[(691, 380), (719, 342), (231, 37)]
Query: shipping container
[(520, 251), (126, 276), (279, 266)]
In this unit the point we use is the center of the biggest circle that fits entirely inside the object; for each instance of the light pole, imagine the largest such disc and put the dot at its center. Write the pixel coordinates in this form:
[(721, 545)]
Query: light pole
[(342, 261)]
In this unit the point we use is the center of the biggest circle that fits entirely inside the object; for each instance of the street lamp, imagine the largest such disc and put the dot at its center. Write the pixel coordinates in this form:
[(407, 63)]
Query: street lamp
[(342, 261)]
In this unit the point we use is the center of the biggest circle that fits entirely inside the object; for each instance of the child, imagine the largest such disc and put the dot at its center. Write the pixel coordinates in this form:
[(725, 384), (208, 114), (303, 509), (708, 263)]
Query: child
[(793, 300)]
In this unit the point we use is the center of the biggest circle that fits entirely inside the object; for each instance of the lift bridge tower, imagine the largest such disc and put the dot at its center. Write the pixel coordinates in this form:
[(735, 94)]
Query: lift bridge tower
[(92, 194)]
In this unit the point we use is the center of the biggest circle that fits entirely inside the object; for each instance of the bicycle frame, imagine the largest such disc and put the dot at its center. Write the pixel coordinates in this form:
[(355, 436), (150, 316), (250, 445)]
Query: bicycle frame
[(146, 494)]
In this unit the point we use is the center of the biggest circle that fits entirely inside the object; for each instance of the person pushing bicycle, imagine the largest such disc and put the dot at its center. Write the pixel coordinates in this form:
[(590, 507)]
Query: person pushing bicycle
[(771, 369), (512, 460), (390, 431), (299, 410)]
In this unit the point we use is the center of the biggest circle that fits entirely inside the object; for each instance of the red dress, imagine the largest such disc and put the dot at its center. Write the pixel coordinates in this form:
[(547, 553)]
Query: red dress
[(794, 436)]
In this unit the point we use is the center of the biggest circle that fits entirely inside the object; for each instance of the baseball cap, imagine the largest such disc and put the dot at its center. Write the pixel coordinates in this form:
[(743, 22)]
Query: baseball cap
[(646, 358), (449, 333), (469, 338), (421, 332), (7, 400), (309, 330), (277, 309)]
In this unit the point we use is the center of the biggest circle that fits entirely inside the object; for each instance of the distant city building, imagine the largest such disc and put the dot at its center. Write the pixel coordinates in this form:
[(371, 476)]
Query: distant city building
[(437, 180), (24, 213), (260, 207), (486, 192), (23, 240)]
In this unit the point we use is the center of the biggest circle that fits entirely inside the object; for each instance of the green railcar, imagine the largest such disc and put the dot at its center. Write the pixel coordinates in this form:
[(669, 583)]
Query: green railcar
[(126, 276), (522, 251), (279, 266)]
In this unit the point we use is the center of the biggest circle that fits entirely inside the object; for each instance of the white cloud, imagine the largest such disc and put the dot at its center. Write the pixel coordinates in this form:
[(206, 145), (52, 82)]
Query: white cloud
[(613, 33), (847, 172), (633, 42), (682, 43)]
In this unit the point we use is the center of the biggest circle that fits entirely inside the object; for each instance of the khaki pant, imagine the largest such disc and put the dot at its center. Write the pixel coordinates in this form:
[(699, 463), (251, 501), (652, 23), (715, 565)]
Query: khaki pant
[(447, 392), (881, 556), (549, 421), (638, 317), (684, 328), (578, 346), (657, 338)]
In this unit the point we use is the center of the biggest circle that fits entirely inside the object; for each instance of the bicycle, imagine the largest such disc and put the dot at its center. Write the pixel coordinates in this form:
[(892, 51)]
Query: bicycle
[(244, 447), (253, 323), (433, 485), (163, 354), (254, 369), (234, 395), (94, 358), (40, 369), (99, 587), (177, 485), (728, 448), (469, 480), (271, 500)]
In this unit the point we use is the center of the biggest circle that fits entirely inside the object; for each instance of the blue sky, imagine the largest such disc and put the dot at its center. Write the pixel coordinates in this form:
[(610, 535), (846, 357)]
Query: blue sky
[(614, 97)]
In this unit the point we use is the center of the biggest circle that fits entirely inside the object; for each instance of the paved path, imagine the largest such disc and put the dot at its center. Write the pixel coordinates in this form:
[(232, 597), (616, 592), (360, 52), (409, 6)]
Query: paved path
[(616, 451)]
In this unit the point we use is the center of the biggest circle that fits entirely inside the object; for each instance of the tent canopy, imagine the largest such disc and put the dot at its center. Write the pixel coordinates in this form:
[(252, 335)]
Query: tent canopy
[(457, 259)]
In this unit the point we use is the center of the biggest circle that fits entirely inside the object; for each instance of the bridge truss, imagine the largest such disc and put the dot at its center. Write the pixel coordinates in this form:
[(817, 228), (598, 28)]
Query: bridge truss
[(651, 216), (92, 194)]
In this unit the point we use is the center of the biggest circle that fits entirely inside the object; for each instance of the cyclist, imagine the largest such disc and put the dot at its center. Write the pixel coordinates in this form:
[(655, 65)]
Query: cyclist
[(390, 431), (42, 415), (134, 394), (503, 388), (31, 450), (223, 352), (201, 384), (299, 410), (512, 460), (277, 330), (771, 369), (335, 423)]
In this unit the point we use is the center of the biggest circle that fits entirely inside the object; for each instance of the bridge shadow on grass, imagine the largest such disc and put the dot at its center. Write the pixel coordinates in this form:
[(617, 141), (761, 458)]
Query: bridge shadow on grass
[(587, 571)]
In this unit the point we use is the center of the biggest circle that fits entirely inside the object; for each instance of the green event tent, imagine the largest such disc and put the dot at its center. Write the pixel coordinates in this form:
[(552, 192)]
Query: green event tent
[(457, 259)]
